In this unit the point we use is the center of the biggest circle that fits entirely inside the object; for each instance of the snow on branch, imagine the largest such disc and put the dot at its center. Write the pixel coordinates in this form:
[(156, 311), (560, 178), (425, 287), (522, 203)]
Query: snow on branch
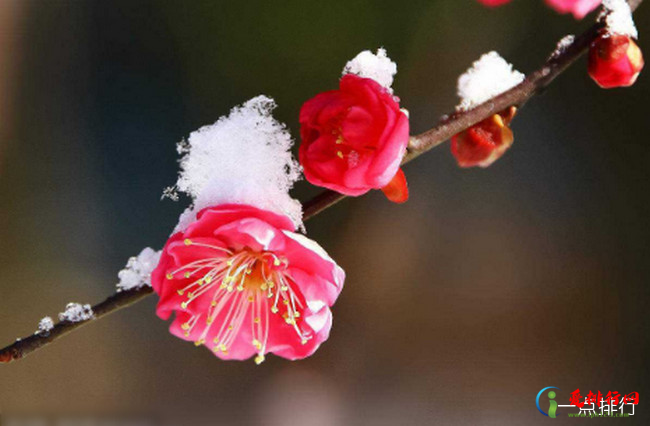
[(488, 77), (137, 272)]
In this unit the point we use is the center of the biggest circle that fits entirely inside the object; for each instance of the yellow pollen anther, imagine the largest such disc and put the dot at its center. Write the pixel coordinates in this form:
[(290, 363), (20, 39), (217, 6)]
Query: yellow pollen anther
[(187, 274), (209, 320), (229, 262), (185, 326), (213, 303), (223, 285), (215, 340), (208, 280), (257, 344), (223, 348), (303, 341), (289, 320), (251, 298), (240, 288), (270, 295), (263, 286), (276, 262), (184, 305), (285, 301), (169, 276), (187, 241), (200, 282), (224, 351), (274, 309), (230, 327), (284, 288), (271, 284), (190, 295), (296, 314), (199, 342), (230, 289), (256, 320), (180, 292), (259, 359), (249, 271), (339, 154), (187, 334)]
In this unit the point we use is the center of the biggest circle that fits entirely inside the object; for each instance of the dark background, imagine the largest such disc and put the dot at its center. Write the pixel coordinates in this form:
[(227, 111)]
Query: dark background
[(459, 306)]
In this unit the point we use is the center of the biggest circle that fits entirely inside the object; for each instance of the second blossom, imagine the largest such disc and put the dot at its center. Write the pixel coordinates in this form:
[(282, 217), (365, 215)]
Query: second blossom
[(354, 139)]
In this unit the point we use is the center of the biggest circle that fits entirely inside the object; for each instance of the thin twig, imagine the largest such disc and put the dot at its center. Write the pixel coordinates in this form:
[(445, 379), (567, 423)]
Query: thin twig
[(418, 144)]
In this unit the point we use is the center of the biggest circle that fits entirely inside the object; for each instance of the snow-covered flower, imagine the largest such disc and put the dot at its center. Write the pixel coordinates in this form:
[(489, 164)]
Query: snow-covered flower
[(238, 277), (485, 142), (354, 138), (243, 283), (615, 60)]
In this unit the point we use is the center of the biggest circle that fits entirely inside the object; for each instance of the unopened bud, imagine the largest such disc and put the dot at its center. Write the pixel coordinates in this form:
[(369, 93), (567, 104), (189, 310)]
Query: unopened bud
[(615, 60), (485, 142)]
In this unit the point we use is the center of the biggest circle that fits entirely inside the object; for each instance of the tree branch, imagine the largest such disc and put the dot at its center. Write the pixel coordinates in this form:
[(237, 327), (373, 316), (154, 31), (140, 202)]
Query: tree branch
[(418, 144)]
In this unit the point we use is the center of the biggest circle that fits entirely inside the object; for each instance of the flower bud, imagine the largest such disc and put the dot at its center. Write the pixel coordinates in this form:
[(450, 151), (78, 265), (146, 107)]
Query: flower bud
[(615, 60), (483, 143)]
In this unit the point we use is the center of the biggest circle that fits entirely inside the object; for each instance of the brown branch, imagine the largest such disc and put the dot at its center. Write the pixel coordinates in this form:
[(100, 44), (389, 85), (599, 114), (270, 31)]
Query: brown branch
[(419, 144)]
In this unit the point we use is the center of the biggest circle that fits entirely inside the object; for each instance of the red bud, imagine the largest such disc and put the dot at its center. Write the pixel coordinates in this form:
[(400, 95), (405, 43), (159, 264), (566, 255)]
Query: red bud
[(485, 142), (614, 61)]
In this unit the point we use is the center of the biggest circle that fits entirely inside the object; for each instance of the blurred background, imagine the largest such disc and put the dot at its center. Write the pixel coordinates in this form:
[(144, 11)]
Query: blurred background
[(459, 306)]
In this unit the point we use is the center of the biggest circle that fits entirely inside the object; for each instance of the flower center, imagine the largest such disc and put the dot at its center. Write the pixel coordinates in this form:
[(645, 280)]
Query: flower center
[(238, 285)]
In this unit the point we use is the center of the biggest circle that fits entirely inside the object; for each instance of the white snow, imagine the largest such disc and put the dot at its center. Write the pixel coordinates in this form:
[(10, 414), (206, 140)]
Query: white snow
[(243, 158), (75, 312), (45, 325), (562, 45), (137, 272), (618, 18), (488, 77), (170, 192), (377, 66)]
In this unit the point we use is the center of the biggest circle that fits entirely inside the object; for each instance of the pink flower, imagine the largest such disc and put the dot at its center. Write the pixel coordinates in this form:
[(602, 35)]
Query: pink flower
[(579, 8), (493, 3), (353, 138), (243, 283)]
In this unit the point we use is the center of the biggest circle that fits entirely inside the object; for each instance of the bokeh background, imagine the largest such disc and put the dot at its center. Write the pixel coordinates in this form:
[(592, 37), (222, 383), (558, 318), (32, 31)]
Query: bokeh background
[(459, 306)]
